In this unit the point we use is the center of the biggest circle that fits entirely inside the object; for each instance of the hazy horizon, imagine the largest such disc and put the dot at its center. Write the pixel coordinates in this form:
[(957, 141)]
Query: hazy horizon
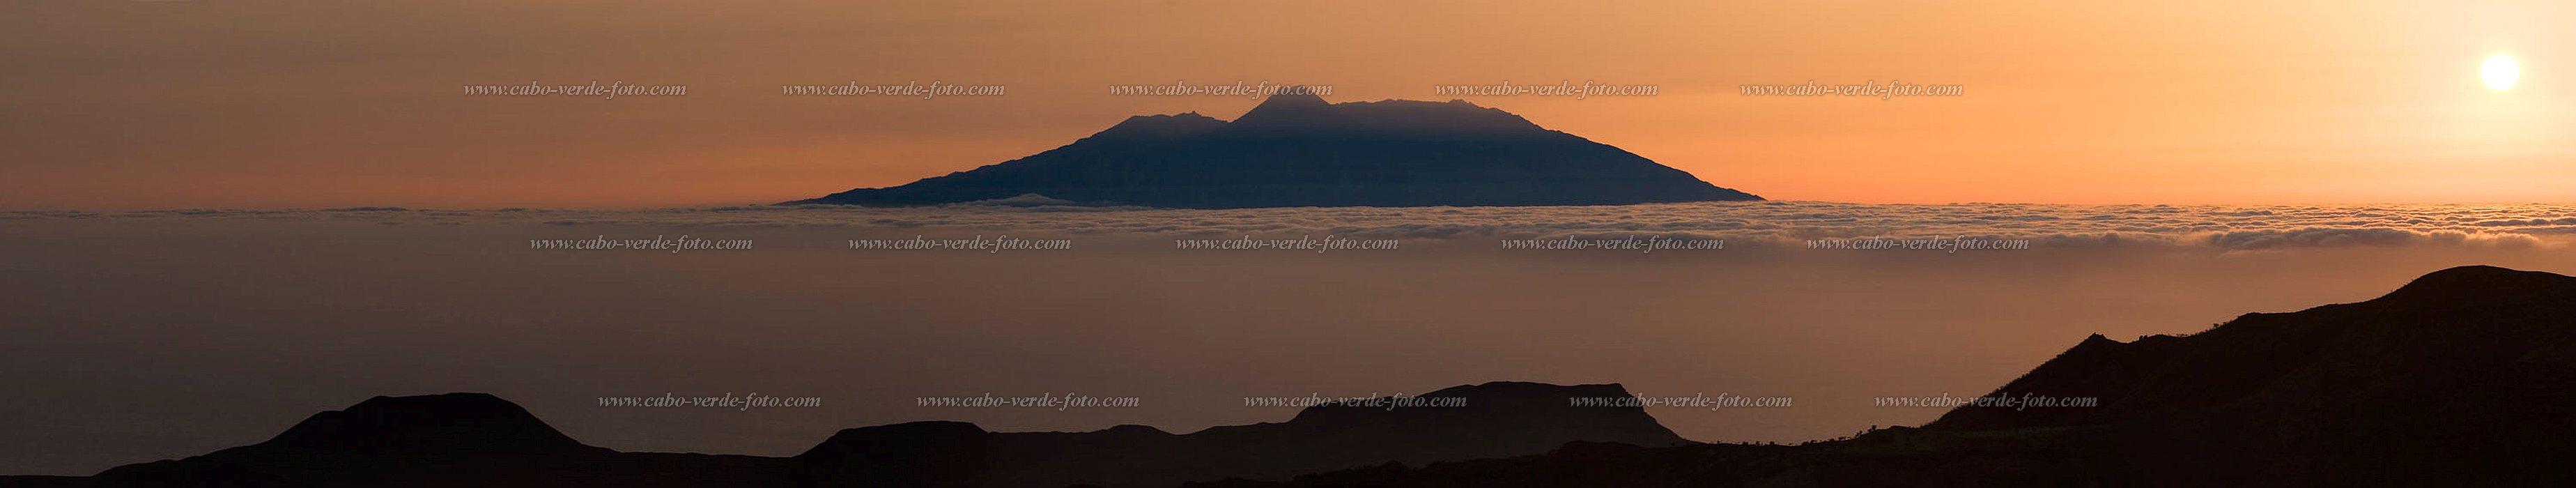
[(262, 104)]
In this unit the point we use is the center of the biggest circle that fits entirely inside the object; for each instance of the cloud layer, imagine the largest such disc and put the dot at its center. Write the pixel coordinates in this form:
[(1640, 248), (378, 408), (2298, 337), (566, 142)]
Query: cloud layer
[(1788, 223)]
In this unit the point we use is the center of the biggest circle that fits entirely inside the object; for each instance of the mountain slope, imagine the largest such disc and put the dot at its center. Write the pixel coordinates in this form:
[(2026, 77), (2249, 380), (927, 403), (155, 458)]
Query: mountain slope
[(1298, 150), (2466, 376)]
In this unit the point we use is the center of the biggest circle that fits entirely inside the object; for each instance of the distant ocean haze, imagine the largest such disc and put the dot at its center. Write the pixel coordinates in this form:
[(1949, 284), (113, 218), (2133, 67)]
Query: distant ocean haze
[(135, 337)]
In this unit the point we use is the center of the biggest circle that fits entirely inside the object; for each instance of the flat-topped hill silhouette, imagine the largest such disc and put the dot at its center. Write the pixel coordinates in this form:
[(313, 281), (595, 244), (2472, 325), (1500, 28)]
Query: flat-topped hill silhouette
[(2466, 376), (472, 439), (1296, 150), (455, 439)]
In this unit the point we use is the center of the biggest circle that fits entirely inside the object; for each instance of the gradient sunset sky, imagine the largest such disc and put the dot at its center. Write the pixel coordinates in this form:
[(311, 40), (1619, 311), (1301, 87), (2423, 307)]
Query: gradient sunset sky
[(316, 103)]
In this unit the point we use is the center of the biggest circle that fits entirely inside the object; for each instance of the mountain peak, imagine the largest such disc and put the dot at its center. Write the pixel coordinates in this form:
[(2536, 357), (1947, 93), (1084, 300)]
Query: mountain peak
[(1291, 108), (1299, 96)]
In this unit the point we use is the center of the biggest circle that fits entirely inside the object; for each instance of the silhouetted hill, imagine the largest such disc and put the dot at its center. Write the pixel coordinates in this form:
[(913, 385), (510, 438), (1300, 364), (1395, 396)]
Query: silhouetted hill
[(472, 439), (1499, 419), (427, 425), (1297, 150), (2464, 377), (2441, 330)]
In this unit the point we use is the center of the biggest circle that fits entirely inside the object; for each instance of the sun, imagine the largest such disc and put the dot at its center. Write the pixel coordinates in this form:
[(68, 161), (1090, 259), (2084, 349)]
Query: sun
[(2500, 72)]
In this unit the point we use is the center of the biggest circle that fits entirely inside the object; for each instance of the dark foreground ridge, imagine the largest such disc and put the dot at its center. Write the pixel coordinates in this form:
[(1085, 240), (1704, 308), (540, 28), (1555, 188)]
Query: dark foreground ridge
[(473, 439), (1296, 150), (2464, 377)]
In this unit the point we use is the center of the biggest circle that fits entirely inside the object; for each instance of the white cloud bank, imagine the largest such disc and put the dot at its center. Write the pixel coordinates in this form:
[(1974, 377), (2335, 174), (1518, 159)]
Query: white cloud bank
[(1787, 223)]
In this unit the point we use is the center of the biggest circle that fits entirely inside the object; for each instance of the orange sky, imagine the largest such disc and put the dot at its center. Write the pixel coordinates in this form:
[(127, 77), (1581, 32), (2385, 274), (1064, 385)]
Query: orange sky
[(309, 103)]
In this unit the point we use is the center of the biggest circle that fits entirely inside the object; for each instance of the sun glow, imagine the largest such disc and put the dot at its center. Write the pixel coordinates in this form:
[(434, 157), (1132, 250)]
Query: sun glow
[(2500, 72)]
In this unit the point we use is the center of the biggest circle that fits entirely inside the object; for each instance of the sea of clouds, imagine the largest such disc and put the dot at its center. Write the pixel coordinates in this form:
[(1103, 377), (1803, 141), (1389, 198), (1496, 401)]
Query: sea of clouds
[(2223, 227)]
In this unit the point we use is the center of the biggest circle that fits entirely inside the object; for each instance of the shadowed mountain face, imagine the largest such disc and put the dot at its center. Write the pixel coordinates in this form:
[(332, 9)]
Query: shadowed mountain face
[(470, 439), (1296, 150), (2482, 328), (2464, 370), (2466, 376)]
